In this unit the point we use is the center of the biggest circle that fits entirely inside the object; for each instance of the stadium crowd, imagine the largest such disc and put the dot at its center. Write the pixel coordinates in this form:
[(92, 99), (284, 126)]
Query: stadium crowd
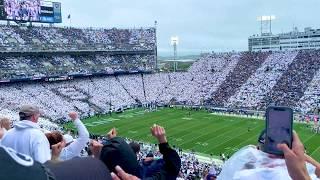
[(33, 67), (247, 65), (264, 78), (150, 159), (113, 46), (291, 87), (208, 76), (235, 80), (34, 38), (308, 102), (31, 153), (52, 148)]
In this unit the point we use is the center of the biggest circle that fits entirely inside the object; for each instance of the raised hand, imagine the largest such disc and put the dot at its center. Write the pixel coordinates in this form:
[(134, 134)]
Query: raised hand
[(314, 163), (112, 133), (95, 148), (295, 159), (159, 133), (73, 116), (56, 150), (122, 175)]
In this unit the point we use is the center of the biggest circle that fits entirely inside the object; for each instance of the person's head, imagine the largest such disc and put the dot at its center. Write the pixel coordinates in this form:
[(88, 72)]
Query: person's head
[(54, 137), (5, 123), (135, 147), (116, 152), (30, 113), (79, 168), (261, 140)]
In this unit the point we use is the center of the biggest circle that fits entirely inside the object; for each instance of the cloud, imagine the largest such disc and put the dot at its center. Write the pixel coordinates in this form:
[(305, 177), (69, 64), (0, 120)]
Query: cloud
[(201, 24)]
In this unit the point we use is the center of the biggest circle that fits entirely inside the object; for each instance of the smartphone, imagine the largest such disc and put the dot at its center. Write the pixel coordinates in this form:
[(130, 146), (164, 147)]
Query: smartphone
[(279, 122)]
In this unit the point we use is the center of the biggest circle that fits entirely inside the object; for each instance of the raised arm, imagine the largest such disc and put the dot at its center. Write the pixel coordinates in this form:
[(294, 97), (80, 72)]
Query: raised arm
[(170, 156), (80, 143), (172, 160)]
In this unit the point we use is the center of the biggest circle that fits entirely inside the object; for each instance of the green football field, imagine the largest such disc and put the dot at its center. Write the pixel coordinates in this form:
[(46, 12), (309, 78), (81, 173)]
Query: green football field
[(200, 131)]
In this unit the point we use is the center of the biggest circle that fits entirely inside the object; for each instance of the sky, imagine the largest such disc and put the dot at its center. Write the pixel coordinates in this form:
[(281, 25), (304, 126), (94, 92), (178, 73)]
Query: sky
[(201, 25)]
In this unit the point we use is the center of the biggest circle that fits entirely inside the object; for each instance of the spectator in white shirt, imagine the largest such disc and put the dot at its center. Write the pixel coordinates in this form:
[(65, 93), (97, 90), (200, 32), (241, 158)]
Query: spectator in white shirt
[(74, 146), (26, 136)]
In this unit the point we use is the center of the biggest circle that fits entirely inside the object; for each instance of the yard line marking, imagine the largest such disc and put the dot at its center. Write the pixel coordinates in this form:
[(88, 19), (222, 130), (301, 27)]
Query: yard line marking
[(229, 139), (213, 132)]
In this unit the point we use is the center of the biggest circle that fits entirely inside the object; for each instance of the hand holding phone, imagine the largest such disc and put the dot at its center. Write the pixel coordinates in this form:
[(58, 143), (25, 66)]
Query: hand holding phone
[(279, 122)]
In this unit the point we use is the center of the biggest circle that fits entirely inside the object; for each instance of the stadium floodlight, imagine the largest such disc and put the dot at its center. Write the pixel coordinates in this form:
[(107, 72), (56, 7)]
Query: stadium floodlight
[(174, 40), (266, 18), (174, 43), (266, 22)]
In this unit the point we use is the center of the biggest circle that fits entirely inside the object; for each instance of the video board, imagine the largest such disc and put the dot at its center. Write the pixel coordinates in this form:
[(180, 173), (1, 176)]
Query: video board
[(30, 11)]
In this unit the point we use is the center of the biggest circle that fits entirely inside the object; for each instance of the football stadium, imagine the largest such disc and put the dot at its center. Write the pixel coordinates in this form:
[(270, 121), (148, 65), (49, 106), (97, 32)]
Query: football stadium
[(83, 102)]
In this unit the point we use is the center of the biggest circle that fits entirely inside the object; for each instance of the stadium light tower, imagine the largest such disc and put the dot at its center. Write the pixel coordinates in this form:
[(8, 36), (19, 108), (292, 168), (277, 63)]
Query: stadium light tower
[(174, 43), (266, 24), (156, 50)]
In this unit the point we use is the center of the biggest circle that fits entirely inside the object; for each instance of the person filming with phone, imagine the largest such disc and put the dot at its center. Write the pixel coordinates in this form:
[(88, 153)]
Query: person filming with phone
[(280, 153)]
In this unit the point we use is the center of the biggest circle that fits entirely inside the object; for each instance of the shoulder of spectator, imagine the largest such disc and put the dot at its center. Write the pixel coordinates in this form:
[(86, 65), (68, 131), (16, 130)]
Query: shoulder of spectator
[(115, 139), (39, 137)]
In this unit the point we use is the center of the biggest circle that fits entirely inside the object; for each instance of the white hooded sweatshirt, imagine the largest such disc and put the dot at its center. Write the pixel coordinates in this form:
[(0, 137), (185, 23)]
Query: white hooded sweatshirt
[(27, 138)]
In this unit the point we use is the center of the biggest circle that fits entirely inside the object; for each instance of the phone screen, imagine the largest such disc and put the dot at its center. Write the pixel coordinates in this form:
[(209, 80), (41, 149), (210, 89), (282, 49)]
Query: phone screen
[(279, 128)]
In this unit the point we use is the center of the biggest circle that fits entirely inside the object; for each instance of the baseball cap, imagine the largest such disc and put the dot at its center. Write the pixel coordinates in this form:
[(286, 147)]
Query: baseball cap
[(68, 138), (18, 166), (29, 110)]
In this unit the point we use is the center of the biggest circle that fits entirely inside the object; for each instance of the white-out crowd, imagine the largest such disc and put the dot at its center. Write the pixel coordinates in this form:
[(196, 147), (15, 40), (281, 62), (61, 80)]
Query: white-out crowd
[(198, 86), (33, 67), (35, 38)]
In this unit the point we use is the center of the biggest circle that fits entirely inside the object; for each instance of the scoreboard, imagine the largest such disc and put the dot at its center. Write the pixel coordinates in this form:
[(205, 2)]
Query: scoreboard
[(50, 12), (30, 11)]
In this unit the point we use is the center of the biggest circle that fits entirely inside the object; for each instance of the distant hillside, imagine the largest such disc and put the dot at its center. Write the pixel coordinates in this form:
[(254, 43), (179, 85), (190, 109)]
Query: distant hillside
[(189, 57)]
